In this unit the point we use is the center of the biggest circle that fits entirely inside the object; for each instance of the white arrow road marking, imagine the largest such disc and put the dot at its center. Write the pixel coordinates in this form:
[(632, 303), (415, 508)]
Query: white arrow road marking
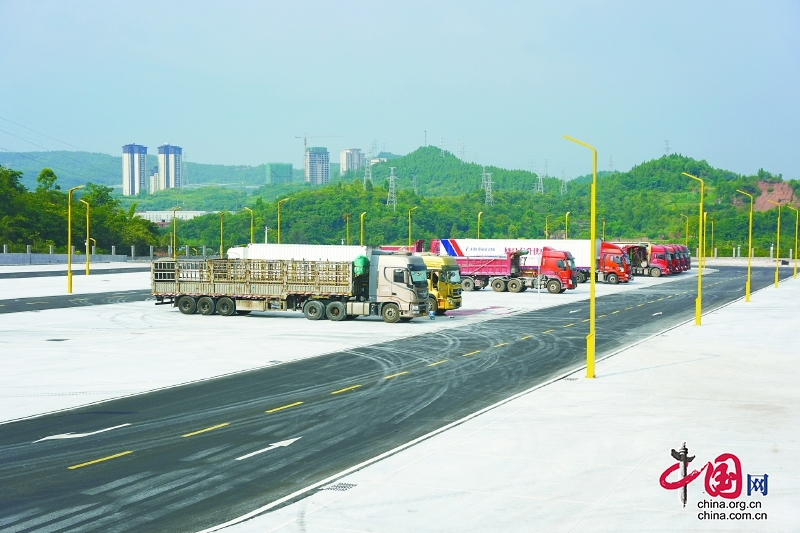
[(575, 311), (280, 444), (78, 435), (659, 313)]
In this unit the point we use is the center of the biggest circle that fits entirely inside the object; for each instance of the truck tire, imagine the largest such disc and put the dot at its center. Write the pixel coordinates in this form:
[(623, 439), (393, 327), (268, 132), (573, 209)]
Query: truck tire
[(515, 285), (225, 306), (553, 286), (314, 310), (467, 284), (206, 305), (433, 305), (612, 279), (187, 305), (498, 285), (336, 311), (580, 277), (655, 272), (390, 313)]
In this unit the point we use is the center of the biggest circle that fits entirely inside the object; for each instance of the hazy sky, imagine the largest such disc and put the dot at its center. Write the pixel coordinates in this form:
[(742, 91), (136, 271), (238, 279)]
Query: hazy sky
[(234, 82)]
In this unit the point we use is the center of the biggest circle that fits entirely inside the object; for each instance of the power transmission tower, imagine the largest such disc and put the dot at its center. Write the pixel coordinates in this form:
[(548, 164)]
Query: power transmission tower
[(563, 182), (368, 170), (489, 199), (666, 148), (414, 183), (611, 163), (426, 138), (391, 199), (539, 185), (441, 146), (483, 178)]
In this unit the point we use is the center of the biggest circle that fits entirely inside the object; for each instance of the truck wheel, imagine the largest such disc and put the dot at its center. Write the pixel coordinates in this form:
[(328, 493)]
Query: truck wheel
[(514, 285), (336, 311), (553, 286), (390, 313), (314, 310), (206, 305), (187, 305), (467, 284), (612, 279), (433, 305), (225, 306), (498, 285), (580, 277), (655, 272)]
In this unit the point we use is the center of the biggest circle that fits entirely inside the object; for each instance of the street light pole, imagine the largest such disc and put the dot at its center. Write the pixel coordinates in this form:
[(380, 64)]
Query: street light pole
[(546, 227), (590, 344), (279, 218), (749, 246), (705, 234), (604, 230), (175, 235), (221, 215), (347, 225), (566, 226), (362, 226), (479, 224), (796, 224), (687, 230), (698, 303), (778, 243), (69, 239), (251, 223), (713, 249), (84, 202), (409, 226)]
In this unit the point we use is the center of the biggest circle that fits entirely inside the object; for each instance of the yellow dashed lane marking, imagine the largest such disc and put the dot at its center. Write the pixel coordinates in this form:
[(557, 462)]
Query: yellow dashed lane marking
[(501, 344), (525, 337), (282, 407), (73, 467), (615, 312), (345, 389), (549, 331), (601, 316), (628, 308), (395, 375), (438, 362), (569, 325), (586, 320), (471, 353), (212, 428)]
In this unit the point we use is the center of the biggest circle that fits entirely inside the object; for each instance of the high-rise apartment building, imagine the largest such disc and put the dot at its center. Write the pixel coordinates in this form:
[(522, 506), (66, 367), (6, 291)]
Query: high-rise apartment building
[(350, 159), (317, 165), (279, 172), (134, 169), (170, 160), (153, 180)]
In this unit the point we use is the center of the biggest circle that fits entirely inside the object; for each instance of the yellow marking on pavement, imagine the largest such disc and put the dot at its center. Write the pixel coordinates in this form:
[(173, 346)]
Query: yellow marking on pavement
[(470, 353), (282, 407), (601, 316), (438, 362), (501, 344), (395, 375), (629, 308), (345, 389), (639, 305), (526, 337), (569, 325), (34, 303), (615, 312), (659, 299), (212, 428), (548, 331), (586, 320), (87, 463), (670, 296)]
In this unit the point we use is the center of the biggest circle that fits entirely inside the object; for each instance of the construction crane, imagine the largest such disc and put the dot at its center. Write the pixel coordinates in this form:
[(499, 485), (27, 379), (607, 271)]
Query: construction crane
[(305, 138)]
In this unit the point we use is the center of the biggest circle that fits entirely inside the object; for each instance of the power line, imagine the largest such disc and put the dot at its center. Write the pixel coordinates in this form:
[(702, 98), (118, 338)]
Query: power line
[(43, 135), (40, 162)]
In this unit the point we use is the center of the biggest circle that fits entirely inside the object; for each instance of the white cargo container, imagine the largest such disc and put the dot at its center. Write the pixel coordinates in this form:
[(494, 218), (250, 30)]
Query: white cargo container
[(580, 249), (299, 252)]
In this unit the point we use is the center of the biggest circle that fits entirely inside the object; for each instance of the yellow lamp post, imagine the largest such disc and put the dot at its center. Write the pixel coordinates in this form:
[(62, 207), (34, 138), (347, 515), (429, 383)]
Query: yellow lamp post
[(409, 226), (221, 216), (566, 225), (796, 223), (347, 226), (687, 230), (778, 243), (279, 218), (713, 249), (84, 202), (698, 303), (175, 234), (546, 227), (479, 224), (705, 234), (251, 223), (749, 246), (590, 344), (362, 226), (604, 230), (69, 239)]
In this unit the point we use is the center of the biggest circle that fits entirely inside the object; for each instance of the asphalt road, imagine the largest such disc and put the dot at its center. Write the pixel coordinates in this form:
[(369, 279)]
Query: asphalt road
[(75, 272), (184, 459), (41, 303)]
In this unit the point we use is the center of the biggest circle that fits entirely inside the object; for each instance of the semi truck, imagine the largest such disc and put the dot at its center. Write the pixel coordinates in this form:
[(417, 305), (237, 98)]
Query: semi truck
[(444, 280), (508, 273), (390, 285), (613, 265), (648, 259)]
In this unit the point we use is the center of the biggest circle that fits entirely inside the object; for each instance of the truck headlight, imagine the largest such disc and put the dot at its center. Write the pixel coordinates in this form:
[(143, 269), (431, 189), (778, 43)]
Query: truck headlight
[(415, 309)]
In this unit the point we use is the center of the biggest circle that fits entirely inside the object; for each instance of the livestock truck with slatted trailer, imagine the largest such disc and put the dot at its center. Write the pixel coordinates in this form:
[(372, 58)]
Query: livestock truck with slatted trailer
[(392, 286)]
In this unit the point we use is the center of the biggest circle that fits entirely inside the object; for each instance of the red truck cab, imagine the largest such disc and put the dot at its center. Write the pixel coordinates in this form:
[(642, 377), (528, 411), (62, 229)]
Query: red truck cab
[(674, 261), (613, 264), (660, 261)]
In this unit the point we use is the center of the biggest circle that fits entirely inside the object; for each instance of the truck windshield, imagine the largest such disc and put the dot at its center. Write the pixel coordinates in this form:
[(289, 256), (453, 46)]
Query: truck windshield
[(561, 264), (419, 277), (451, 276), (571, 263)]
